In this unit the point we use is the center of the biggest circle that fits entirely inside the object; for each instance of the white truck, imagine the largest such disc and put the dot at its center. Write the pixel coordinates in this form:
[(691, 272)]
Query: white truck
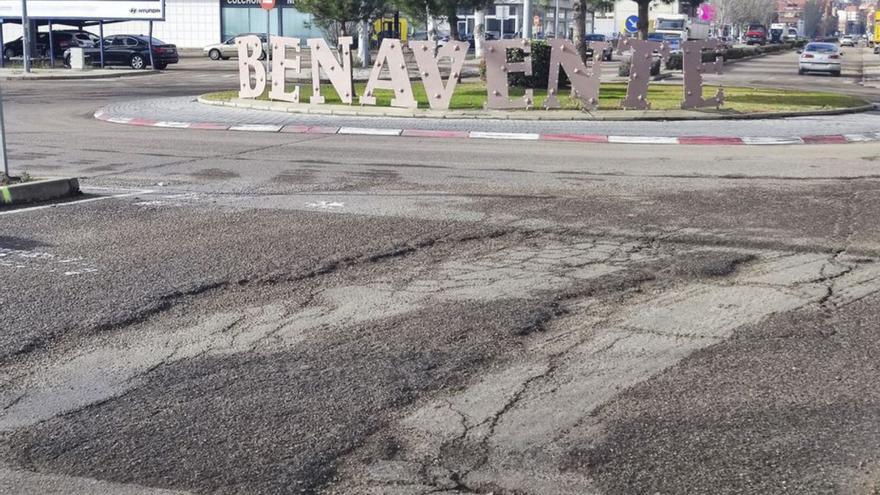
[(681, 26)]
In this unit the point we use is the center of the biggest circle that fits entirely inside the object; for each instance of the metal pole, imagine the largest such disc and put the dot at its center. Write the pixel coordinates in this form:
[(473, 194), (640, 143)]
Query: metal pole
[(51, 46), (150, 45), (556, 21), (2, 44), (3, 139), (101, 31), (268, 36), (25, 37)]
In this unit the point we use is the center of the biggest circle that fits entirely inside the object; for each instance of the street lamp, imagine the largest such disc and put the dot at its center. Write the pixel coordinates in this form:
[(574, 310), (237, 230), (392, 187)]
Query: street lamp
[(25, 37), (555, 20)]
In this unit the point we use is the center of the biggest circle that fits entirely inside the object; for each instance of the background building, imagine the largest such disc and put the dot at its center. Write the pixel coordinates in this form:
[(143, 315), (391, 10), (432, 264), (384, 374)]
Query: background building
[(196, 23)]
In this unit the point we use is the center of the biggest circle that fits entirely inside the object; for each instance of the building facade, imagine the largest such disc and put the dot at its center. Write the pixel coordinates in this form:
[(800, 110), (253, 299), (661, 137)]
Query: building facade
[(196, 23)]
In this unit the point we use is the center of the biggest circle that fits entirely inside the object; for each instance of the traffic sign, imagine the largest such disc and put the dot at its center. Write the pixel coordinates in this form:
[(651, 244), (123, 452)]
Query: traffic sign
[(632, 24), (267, 4)]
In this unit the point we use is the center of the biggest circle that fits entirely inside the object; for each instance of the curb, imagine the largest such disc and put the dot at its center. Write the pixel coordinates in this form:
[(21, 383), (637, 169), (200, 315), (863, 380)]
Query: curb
[(423, 133), (34, 192), (536, 115), (84, 76)]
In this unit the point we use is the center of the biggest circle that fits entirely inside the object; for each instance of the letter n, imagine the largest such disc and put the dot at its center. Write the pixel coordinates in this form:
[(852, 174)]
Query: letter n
[(339, 75), (584, 83)]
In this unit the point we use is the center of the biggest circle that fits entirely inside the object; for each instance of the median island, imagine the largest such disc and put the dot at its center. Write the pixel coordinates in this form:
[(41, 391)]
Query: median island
[(471, 97), (517, 77)]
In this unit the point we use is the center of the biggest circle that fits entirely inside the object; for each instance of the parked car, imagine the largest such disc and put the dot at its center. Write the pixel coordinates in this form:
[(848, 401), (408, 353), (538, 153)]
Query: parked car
[(756, 34), (820, 57), (62, 40), (847, 41), (606, 53), (131, 50), (228, 49)]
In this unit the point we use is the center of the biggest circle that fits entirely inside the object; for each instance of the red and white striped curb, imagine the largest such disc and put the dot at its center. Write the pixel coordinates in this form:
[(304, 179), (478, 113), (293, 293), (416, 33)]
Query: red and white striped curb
[(519, 136)]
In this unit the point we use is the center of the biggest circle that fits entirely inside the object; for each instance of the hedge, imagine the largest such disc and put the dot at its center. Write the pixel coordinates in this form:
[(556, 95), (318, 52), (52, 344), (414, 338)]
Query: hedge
[(623, 68), (540, 68)]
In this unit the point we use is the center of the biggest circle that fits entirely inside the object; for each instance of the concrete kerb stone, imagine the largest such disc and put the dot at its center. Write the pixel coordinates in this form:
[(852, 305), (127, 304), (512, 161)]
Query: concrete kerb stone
[(38, 191), (536, 115), (445, 134), (67, 75)]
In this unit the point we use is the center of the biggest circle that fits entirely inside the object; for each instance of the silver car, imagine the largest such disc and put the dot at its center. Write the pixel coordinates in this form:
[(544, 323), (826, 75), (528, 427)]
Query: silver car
[(227, 49), (820, 57)]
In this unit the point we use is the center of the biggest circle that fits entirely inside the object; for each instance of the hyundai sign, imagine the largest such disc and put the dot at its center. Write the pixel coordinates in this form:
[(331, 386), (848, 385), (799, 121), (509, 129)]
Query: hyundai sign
[(145, 10)]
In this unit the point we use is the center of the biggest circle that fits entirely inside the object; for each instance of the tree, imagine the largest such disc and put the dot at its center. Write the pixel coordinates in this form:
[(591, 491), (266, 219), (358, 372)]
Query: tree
[(341, 15), (812, 18), (644, 12), (581, 9), (444, 8)]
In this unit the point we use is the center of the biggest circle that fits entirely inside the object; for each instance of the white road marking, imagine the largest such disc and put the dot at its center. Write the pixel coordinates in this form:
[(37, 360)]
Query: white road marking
[(256, 128), (862, 138), (642, 140), (519, 136), (367, 131), (772, 140), (175, 125), (79, 202), (326, 205)]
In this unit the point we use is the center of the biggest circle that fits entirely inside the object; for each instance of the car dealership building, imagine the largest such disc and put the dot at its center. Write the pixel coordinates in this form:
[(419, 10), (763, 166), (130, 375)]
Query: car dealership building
[(196, 23)]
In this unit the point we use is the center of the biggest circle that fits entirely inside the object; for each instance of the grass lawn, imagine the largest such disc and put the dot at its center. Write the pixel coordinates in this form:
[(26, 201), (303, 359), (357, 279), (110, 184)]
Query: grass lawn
[(472, 96)]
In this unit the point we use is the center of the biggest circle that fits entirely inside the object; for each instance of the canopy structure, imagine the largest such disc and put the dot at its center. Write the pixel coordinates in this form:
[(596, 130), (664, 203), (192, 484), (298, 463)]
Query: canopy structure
[(78, 14)]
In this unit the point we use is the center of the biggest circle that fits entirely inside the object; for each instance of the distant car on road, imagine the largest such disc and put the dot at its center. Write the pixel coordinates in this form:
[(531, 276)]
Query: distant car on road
[(228, 48), (820, 57), (756, 34), (131, 50), (606, 53), (847, 41)]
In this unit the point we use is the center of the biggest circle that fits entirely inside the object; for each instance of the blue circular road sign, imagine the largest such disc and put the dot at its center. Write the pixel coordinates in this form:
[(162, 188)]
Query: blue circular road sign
[(632, 24)]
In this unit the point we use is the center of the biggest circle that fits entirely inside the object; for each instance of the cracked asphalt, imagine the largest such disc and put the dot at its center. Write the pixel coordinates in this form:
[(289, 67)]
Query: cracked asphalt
[(262, 313)]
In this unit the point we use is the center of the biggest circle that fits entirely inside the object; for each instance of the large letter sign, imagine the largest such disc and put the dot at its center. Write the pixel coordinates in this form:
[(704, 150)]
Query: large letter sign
[(497, 69), (693, 68), (250, 50), (280, 65), (340, 76), (391, 53), (584, 82), (439, 96), (640, 71)]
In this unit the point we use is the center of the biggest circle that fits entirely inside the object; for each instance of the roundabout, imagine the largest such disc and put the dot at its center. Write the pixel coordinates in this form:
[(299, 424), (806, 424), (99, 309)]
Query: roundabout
[(201, 114)]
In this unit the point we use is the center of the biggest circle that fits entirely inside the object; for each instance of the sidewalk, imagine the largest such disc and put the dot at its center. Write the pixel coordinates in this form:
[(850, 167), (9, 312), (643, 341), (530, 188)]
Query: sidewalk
[(62, 73), (871, 70)]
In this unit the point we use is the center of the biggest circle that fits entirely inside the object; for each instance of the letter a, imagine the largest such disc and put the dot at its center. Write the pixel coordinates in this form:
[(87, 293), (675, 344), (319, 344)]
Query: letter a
[(439, 96), (250, 49), (391, 53)]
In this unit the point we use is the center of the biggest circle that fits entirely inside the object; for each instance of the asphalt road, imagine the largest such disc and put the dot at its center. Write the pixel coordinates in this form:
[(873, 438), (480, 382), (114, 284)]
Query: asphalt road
[(266, 313)]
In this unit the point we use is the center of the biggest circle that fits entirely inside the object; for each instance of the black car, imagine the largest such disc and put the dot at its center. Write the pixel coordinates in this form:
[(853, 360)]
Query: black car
[(606, 53), (62, 40), (133, 51)]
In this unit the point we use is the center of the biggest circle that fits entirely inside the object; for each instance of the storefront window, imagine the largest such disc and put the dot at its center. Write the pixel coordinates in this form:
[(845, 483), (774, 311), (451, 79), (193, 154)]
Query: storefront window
[(248, 20), (296, 24)]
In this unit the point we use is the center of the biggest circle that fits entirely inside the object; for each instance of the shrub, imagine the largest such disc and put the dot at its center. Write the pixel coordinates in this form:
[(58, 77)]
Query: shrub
[(674, 62), (540, 68), (623, 69)]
